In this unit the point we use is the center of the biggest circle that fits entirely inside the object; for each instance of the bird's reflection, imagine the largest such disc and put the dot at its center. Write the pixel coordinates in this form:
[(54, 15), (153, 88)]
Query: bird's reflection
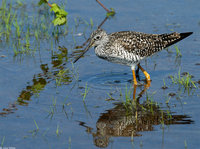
[(129, 120)]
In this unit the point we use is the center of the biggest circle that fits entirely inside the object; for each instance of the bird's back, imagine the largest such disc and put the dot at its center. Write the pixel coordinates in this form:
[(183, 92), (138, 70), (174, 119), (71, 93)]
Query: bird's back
[(145, 45)]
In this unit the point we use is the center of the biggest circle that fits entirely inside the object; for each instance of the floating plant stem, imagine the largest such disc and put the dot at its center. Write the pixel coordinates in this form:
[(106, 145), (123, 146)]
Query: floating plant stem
[(37, 128), (86, 92), (109, 12), (58, 132), (103, 6), (178, 52), (2, 142)]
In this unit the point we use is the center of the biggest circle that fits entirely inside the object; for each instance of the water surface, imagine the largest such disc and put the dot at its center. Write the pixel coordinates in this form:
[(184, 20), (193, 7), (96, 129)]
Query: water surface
[(41, 109)]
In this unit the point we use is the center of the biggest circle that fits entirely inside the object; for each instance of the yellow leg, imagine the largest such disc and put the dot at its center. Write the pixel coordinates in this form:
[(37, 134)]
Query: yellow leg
[(134, 77), (146, 75)]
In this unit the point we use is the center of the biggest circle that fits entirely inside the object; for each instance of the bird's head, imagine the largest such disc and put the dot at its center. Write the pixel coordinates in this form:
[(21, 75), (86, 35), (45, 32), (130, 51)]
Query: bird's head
[(98, 37)]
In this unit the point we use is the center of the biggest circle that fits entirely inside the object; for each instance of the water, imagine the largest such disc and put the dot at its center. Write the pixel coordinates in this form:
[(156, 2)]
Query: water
[(42, 92)]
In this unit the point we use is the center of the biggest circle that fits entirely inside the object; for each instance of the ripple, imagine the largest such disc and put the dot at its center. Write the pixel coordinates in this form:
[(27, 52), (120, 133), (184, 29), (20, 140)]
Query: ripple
[(108, 80)]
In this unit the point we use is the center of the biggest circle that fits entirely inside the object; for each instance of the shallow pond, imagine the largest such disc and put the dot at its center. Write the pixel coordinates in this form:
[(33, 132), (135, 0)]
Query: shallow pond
[(49, 102)]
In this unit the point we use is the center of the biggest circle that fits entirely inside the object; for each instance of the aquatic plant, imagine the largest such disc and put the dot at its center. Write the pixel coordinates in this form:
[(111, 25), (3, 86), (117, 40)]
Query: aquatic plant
[(126, 98), (62, 77), (37, 128), (178, 52), (35, 131), (164, 86), (52, 110), (58, 131), (110, 13), (185, 81), (60, 14), (86, 92), (185, 143), (2, 141)]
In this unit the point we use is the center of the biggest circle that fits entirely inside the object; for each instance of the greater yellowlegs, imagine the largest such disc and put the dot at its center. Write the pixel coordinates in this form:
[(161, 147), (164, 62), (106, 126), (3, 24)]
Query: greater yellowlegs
[(129, 47)]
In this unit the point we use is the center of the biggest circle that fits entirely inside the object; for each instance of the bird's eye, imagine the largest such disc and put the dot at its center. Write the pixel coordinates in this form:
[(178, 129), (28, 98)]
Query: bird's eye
[(98, 37)]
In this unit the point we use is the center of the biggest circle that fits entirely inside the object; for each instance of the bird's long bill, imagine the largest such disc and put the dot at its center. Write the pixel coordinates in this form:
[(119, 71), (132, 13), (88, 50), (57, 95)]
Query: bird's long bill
[(84, 51)]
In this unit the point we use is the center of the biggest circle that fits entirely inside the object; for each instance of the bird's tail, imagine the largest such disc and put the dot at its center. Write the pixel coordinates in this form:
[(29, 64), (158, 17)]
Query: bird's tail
[(174, 37)]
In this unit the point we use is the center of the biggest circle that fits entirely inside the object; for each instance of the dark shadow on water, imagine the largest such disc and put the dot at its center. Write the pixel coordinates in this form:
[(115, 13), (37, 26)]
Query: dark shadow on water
[(131, 119)]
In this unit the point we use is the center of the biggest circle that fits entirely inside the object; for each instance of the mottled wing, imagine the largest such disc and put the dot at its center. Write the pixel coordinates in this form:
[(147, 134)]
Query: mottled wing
[(135, 42), (143, 44)]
